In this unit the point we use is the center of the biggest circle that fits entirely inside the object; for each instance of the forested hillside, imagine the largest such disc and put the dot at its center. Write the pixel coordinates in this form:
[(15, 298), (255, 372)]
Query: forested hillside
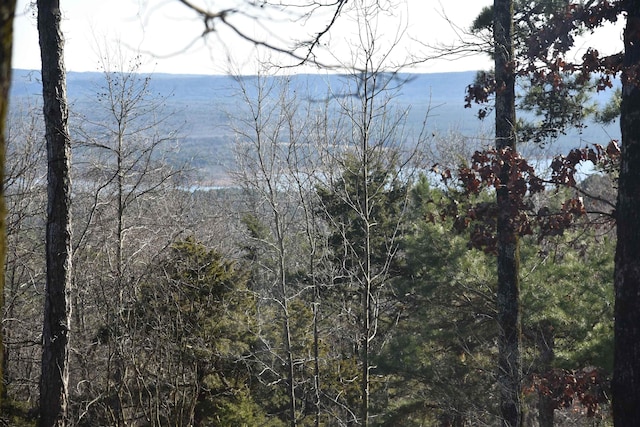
[(357, 247), (338, 274), (199, 112)]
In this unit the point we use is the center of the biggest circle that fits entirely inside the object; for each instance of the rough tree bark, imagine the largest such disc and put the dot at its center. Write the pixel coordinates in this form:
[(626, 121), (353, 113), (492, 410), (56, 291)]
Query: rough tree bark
[(626, 373), (55, 333), (508, 292), (7, 12), (546, 345)]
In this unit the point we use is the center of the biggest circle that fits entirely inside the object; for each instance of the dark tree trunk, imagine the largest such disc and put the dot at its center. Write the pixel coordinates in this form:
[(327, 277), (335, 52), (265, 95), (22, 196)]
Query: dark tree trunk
[(55, 333), (546, 344), (508, 292), (626, 373), (7, 13)]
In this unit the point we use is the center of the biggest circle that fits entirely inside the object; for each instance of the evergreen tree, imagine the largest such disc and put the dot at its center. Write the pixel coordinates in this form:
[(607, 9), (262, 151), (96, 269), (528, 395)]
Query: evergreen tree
[(440, 357), (365, 208), (444, 342), (203, 319)]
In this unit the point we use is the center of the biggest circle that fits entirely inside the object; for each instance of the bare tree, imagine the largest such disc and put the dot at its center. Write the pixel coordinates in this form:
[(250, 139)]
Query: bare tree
[(123, 224), (364, 195), (24, 264), (302, 166), (369, 176), (264, 138), (301, 11), (55, 370), (341, 165)]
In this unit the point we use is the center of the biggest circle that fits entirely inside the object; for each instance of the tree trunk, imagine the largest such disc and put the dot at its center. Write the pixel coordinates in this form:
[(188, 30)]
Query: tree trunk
[(55, 333), (286, 316), (368, 84), (508, 298), (546, 345), (316, 343), (7, 13), (626, 373)]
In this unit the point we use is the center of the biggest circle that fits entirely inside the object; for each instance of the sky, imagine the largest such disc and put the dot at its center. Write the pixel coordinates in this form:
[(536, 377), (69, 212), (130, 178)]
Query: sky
[(167, 35)]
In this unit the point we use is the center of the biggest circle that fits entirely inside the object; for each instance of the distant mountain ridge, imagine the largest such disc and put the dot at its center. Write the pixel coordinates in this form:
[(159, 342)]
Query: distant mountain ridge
[(200, 106)]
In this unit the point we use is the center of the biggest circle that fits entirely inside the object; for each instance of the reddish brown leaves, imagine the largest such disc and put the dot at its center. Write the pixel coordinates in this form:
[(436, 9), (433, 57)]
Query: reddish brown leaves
[(555, 36), (484, 173), (564, 168), (480, 91), (525, 218), (586, 387), (545, 44), (555, 223)]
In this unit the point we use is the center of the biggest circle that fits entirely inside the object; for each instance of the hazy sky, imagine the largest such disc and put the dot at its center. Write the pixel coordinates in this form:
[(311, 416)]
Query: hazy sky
[(168, 35)]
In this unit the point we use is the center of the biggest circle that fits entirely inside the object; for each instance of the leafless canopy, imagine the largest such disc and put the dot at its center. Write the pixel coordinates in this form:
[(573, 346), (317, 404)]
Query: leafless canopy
[(300, 11)]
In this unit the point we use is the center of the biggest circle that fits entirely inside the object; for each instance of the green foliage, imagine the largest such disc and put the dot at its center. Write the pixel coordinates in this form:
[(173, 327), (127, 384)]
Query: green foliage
[(17, 414), (549, 108), (365, 200), (555, 108), (364, 207), (553, 102), (526, 15), (444, 342), (567, 300), (568, 284), (207, 333), (611, 110), (236, 409), (206, 315), (211, 306), (440, 361), (484, 20)]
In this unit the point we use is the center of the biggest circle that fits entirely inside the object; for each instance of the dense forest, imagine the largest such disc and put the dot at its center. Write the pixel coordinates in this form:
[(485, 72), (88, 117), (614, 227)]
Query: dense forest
[(334, 267), (354, 270)]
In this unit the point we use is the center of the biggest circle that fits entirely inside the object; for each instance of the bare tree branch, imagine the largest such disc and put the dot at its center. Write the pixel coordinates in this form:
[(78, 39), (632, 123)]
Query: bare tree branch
[(303, 12)]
